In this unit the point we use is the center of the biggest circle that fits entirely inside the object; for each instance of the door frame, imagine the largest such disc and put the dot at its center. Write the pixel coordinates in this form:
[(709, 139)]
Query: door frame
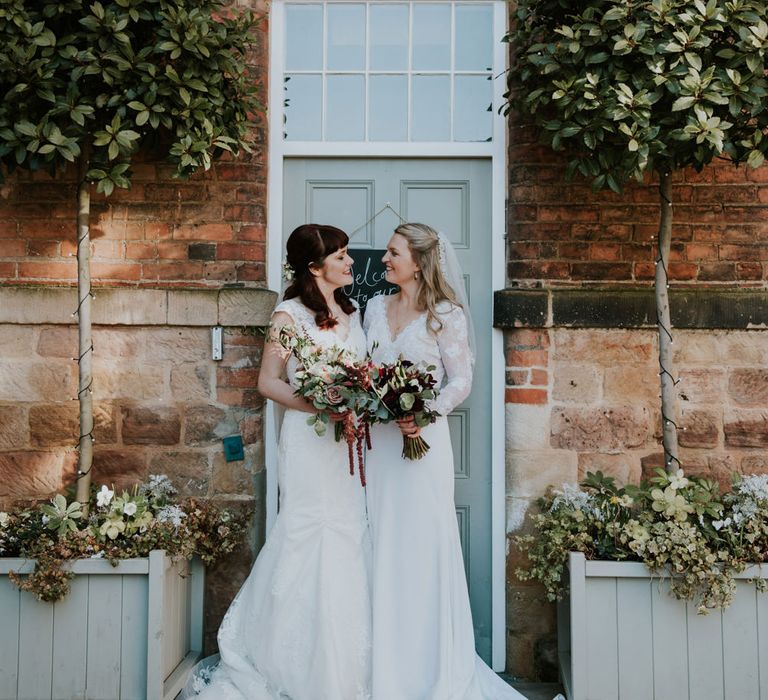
[(496, 152)]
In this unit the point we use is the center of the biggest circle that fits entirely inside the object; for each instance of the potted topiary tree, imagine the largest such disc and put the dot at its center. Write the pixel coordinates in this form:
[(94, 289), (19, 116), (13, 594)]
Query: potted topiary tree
[(631, 90), (87, 86)]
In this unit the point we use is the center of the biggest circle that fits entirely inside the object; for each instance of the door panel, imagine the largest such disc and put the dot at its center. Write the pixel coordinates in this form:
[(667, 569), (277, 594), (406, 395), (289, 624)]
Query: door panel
[(452, 196)]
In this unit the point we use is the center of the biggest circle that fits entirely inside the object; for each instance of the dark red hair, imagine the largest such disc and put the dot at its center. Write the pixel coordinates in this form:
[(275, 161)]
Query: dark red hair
[(309, 245)]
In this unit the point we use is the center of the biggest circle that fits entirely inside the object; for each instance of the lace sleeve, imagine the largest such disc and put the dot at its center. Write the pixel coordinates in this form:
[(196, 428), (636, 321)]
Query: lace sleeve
[(453, 341)]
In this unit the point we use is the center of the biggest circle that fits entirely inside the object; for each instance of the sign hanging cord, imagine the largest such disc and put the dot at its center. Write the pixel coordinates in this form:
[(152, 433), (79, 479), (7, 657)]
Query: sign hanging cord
[(375, 216)]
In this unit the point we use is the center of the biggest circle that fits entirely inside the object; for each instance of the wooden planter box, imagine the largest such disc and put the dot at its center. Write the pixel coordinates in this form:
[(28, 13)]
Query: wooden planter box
[(621, 636), (130, 632)]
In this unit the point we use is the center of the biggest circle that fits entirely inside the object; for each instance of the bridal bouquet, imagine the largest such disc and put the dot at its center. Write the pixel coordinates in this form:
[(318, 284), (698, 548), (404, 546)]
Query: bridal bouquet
[(333, 381), (403, 390)]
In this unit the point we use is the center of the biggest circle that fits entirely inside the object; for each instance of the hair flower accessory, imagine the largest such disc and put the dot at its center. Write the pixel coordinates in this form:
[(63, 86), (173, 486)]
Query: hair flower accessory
[(288, 272)]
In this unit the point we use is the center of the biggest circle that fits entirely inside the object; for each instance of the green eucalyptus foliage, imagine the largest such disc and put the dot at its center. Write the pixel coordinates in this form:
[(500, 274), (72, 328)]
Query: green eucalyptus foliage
[(627, 86), (105, 78)]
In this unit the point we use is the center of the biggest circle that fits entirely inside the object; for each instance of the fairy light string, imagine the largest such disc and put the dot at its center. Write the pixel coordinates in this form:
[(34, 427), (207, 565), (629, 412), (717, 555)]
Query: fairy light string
[(669, 458), (87, 389)]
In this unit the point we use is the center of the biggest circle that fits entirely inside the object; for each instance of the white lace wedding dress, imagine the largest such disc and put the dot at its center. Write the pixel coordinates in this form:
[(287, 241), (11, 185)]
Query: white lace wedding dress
[(299, 628), (423, 638)]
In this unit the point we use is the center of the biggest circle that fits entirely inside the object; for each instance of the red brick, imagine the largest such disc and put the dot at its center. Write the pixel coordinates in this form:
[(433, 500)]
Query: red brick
[(705, 176), (242, 378), (623, 214), (204, 232), (728, 173), (253, 232), (601, 271), (744, 214), (573, 251), (568, 213), (757, 175), (7, 271), (12, 248), (527, 396), (749, 271), (246, 213), (527, 358), (168, 250), (116, 271), (8, 229), (140, 251), (539, 377), (153, 230), (534, 231), (742, 193), (242, 398), (238, 171), (717, 272), (517, 377), (172, 271), (220, 271), (251, 272), (605, 251), (681, 271), (48, 270), (519, 250), (590, 232), (111, 250), (240, 251), (167, 192), (644, 271), (526, 339), (698, 252), (743, 253), (49, 230), (539, 270)]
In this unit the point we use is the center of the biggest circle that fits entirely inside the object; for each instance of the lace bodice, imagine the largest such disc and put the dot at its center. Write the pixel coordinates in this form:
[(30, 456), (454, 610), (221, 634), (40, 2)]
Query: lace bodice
[(447, 348), (304, 319)]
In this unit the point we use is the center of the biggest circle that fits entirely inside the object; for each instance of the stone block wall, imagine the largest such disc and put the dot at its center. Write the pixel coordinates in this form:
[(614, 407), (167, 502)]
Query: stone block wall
[(162, 405), (586, 399)]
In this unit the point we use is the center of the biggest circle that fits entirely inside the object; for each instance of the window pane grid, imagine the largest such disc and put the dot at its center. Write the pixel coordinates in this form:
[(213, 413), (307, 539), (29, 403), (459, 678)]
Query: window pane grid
[(451, 103)]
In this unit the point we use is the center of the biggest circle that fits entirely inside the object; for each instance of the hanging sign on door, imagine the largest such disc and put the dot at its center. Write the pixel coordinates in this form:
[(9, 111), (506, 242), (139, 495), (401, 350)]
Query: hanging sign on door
[(368, 273)]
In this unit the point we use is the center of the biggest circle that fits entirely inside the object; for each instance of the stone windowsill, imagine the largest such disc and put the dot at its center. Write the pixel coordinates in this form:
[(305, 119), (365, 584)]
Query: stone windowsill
[(631, 308), (140, 306)]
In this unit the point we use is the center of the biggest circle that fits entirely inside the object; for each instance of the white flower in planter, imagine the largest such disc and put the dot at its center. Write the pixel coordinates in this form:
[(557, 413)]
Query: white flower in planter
[(4, 519), (129, 508), (678, 480), (104, 497)]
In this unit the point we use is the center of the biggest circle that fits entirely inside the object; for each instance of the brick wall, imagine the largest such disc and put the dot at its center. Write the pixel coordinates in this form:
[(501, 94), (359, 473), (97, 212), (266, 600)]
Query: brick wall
[(207, 231), (563, 233)]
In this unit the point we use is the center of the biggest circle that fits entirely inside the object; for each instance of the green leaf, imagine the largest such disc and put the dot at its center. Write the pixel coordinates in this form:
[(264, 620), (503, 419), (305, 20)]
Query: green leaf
[(682, 103), (755, 159), (113, 151), (26, 128)]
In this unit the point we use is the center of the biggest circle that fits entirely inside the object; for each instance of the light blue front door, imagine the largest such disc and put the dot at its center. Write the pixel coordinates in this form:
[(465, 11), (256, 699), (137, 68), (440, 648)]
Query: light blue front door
[(454, 196)]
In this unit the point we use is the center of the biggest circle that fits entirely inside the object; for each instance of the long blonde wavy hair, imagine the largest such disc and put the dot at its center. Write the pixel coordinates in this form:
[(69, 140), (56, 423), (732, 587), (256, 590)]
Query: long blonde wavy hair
[(423, 243)]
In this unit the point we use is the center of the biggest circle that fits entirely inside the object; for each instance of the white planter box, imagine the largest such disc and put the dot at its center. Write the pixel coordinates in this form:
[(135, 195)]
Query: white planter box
[(621, 636), (130, 632)]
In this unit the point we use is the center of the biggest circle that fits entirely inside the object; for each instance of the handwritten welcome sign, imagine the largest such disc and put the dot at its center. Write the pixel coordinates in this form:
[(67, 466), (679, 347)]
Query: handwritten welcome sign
[(369, 277)]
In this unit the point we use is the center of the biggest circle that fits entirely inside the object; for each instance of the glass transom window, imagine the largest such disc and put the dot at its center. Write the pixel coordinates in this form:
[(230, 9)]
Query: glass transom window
[(385, 70)]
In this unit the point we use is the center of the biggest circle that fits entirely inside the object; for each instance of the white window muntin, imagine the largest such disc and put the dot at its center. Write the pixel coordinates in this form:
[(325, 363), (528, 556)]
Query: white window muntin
[(446, 89)]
